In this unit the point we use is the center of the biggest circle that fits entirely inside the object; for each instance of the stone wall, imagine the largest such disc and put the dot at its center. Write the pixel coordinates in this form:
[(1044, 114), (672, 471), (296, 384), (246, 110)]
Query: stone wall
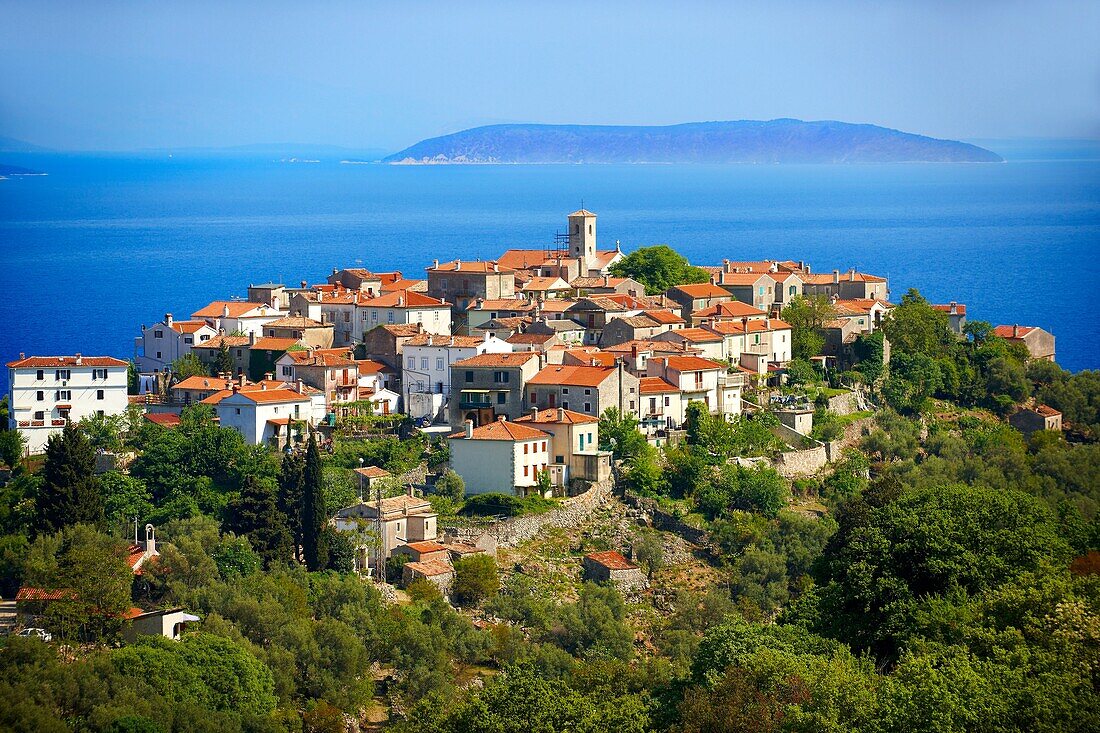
[(844, 404), (417, 477), (666, 522), (801, 462), (573, 512)]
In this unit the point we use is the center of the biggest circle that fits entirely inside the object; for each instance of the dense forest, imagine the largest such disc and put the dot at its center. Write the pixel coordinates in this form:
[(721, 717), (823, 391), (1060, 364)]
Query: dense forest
[(942, 576)]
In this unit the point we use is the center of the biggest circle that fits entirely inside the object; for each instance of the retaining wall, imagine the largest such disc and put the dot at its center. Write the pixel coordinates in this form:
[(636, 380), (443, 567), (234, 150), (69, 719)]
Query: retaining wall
[(574, 511), (801, 462)]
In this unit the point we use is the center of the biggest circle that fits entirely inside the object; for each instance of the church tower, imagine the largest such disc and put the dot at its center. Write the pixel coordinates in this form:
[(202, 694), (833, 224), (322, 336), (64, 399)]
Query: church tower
[(582, 239)]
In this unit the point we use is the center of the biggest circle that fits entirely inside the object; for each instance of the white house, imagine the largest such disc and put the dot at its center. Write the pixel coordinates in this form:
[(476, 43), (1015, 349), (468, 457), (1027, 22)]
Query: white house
[(768, 338), (698, 379), (169, 623), (238, 316), (46, 392), (162, 343), (500, 457), (402, 306), (574, 445), (426, 368), (262, 416)]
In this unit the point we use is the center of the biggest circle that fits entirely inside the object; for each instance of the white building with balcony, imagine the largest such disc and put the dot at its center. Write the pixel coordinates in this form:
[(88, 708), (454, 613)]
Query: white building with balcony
[(426, 368), (162, 343), (46, 392)]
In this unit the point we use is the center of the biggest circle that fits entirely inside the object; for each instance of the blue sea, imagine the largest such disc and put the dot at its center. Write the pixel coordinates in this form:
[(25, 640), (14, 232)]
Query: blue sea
[(104, 243)]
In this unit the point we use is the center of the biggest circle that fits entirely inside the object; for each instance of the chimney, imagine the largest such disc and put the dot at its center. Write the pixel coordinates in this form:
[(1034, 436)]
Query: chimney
[(263, 386), (852, 275), (954, 308), (745, 324), (1016, 330), (767, 324), (150, 540), (241, 379), (534, 414), (836, 276), (400, 301), (607, 281), (469, 429), (409, 493), (320, 296), (300, 386), (458, 265), (801, 265), (304, 284), (561, 414), (335, 270), (496, 267), (269, 376), (502, 418), (435, 264), (727, 266), (634, 351), (168, 319), (22, 355), (251, 338)]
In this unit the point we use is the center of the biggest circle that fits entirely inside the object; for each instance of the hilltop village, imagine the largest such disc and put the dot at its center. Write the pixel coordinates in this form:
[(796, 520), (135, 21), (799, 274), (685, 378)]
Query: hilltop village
[(644, 490)]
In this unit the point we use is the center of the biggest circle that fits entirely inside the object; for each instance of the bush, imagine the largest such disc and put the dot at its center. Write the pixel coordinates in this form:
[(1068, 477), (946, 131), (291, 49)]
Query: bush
[(475, 580), (491, 505)]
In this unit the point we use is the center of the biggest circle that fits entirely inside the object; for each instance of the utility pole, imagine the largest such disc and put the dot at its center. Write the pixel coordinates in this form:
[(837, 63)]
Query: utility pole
[(380, 559)]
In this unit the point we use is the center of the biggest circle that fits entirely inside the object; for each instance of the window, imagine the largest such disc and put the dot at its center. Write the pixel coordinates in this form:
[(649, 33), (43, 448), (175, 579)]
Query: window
[(412, 362), (502, 397), (419, 385), (40, 415), (565, 405), (544, 446), (587, 392), (238, 411), (60, 374), (287, 371), (347, 317), (41, 395), (188, 339), (439, 364), (469, 377), (631, 390), (63, 394), (565, 390), (238, 353), (99, 394), (501, 377), (525, 471), (158, 334), (389, 316), (588, 407), (100, 413), (559, 459), (424, 363), (667, 402), (41, 375), (632, 405), (653, 404), (761, 290), (374, 316), (158, 354), (534, 398), (525, 446)]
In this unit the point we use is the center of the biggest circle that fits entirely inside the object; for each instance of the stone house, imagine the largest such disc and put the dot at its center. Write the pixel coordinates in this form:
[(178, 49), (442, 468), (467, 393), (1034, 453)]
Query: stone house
[(611, 567), (356, 278), (632, 328), (697, 297), (426, 368), (423, 551), (956, 315), (702, 380), (264, 353), (439, 573), (463, 282), (849, 285), (239, 351), (1039, 343), (753, 288), (402, 519), (169, 623), (489, 386), (1032, 419), (586, 389), (332, 371), (481, 311), (636, 354), (606, 285), (704, 340), (731, 310), (594, 314), (385, 343), (545, 287), (310, 332)]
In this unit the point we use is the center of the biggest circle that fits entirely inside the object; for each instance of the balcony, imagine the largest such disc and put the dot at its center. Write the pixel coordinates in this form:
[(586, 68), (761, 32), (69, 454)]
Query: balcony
[(472, 399)]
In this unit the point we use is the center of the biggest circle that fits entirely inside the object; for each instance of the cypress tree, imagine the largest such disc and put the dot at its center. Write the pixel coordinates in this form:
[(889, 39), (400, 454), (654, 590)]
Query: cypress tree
[(255, 514), (291, 487), (70, 491), (313, 510)]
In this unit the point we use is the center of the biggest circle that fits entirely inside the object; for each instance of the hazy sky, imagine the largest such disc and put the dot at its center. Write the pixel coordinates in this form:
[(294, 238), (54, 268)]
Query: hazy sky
[(125, 75)]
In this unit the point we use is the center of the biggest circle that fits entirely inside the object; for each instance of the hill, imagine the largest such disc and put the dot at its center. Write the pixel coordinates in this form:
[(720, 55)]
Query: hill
[(743, 141), (16, 170)]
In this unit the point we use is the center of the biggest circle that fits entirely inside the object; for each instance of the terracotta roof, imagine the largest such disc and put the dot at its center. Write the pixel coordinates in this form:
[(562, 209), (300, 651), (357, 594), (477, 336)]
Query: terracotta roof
[(557, 305), (401, 330), (497, 360), (664, 317), (655, 385), (738, 278), (372, 472), (521, 259), (826, 278), (642, 320), (598, 282), (601, 302), (188, 326), (1007, 332), (259, 396), (650, 345), (519, 305), (400, 299), (611, 560), (730, 309), (732, 327), (558, 416), (41, 362), (296, 322), (430, 568), (403, 284), (322, 358), (425, 547), (960, 308), (43, 594), (164, 419), (858, 306), (502, 430), (529, 338), (237, 309), (604, 257), (696, 335), (273, 343), (573, 376), (203, 383), (366, 366), (1046, 410), (467, 342), (582, 212), (467, 266), (396, 504), (585, 357), (701, 290), (692, 363), (217, 341)]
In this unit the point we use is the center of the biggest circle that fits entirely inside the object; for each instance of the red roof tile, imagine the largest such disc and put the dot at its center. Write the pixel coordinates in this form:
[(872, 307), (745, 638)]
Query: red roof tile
[(611, 560), (502, 430), (655, 385), (573, 376), (558, 416), (53, 362), (497, 360)]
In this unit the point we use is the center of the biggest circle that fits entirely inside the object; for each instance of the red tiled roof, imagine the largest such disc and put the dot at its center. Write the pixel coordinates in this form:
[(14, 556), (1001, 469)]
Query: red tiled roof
[(730, 309), (497, 360), (692, 363), (586, 357), (702, 290), (960, 308), (296, 322), (188, 326), (402, 284), (430, 568), (663, 316), (519, 305), (1007, 332), (467, 266), (272, 343), (424, 547), (217, 341), (400, 299), (611, 560), (558, 416), (574, 376), (53, 362), (732, 327), (655, 385), (322, 357), (696, 335), (529, 338), (739, 278), (503, 430), (366, 366), (1046, 410), (259, 396), (42, 594), (237, 309), (467, 342), (372, 472), (164, 419)]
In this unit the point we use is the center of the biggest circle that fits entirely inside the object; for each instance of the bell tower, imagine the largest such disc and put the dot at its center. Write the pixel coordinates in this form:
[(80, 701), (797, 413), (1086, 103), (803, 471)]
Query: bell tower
[(582, 238)]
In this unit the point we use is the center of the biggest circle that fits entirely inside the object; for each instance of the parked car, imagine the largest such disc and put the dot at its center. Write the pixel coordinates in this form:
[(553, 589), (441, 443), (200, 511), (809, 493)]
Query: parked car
[(36, 634)]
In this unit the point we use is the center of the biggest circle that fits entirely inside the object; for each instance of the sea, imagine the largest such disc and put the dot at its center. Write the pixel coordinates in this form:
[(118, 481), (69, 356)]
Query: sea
[(107, 242)]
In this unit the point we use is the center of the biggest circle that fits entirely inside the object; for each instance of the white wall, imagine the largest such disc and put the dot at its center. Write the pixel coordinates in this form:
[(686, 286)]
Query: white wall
[(250, 418), (488, 466), (82, 394)]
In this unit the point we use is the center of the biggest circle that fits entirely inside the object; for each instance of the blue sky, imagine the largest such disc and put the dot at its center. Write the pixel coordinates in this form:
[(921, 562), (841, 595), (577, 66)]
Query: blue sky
[(127, 75)]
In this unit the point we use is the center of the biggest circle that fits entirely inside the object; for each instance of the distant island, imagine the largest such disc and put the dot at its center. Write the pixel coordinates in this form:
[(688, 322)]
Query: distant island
[(15, 170), (743, 141)]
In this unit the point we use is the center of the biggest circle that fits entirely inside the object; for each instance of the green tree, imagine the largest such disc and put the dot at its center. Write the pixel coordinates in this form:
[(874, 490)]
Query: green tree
[(104, 432), (450, 485), (475, 580), (868, 350), (124, 499), (800, 372), (291, 493), (807, 315), (650, 551), (132, 378), (255, 515), (12, 447), (70, 491), (913, 379), (186, 366), (619, 434), (223, 361), (915, 327), (313, 508), (659, 268)]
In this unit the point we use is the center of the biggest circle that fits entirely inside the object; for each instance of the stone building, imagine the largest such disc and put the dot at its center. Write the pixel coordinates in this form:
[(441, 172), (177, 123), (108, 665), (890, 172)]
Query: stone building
[(1032, 419), (611, 567), (1039, 343)]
